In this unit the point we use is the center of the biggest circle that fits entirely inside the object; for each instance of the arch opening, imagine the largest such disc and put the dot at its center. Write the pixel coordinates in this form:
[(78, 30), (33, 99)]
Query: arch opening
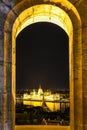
[(40, 13), (52, 14), (42, 60)]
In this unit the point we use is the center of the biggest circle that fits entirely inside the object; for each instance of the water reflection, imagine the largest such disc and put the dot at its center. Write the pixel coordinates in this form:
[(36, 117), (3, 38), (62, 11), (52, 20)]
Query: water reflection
[(53, 106)]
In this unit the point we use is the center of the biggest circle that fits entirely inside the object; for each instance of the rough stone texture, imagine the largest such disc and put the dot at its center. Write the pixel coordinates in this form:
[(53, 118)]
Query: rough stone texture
[(4, 9), (1, 52), (85, 76), (76, 2), (80, 104), (7, 46)]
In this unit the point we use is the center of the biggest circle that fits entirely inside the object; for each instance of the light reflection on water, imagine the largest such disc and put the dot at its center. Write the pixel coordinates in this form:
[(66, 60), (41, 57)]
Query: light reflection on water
[(53, 106)]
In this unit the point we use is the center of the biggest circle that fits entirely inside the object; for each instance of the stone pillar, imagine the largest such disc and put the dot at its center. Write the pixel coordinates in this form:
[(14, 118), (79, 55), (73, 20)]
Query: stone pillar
[(85, 77), (1, 67), (78, 97), (9, 112), (1, 94)]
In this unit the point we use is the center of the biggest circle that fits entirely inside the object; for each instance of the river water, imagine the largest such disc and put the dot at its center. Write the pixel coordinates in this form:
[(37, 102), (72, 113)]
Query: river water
[(53, 106)]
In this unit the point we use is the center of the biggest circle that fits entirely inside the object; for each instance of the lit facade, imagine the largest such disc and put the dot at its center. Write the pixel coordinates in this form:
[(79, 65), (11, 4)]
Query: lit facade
[(39, 94)]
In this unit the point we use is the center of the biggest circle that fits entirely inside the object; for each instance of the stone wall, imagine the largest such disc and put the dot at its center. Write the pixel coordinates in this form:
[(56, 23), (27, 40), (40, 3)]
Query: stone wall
[(6, 98)]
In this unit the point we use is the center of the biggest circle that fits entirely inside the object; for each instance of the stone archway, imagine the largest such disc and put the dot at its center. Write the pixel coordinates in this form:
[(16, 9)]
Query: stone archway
[(23, 15)]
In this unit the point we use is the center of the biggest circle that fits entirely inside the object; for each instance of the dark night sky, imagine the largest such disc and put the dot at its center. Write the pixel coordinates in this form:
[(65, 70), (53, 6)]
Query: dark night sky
[(42, 57)]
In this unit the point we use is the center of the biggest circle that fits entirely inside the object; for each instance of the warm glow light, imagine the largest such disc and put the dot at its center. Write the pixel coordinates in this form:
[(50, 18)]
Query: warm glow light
[(39, 13), (45, 13), (42, 13), (36, 98)]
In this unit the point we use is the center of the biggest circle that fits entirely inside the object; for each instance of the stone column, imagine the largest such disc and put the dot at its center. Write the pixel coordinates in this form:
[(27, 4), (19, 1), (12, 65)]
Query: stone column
[(78, 97), (85, 77), (1, 86)]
